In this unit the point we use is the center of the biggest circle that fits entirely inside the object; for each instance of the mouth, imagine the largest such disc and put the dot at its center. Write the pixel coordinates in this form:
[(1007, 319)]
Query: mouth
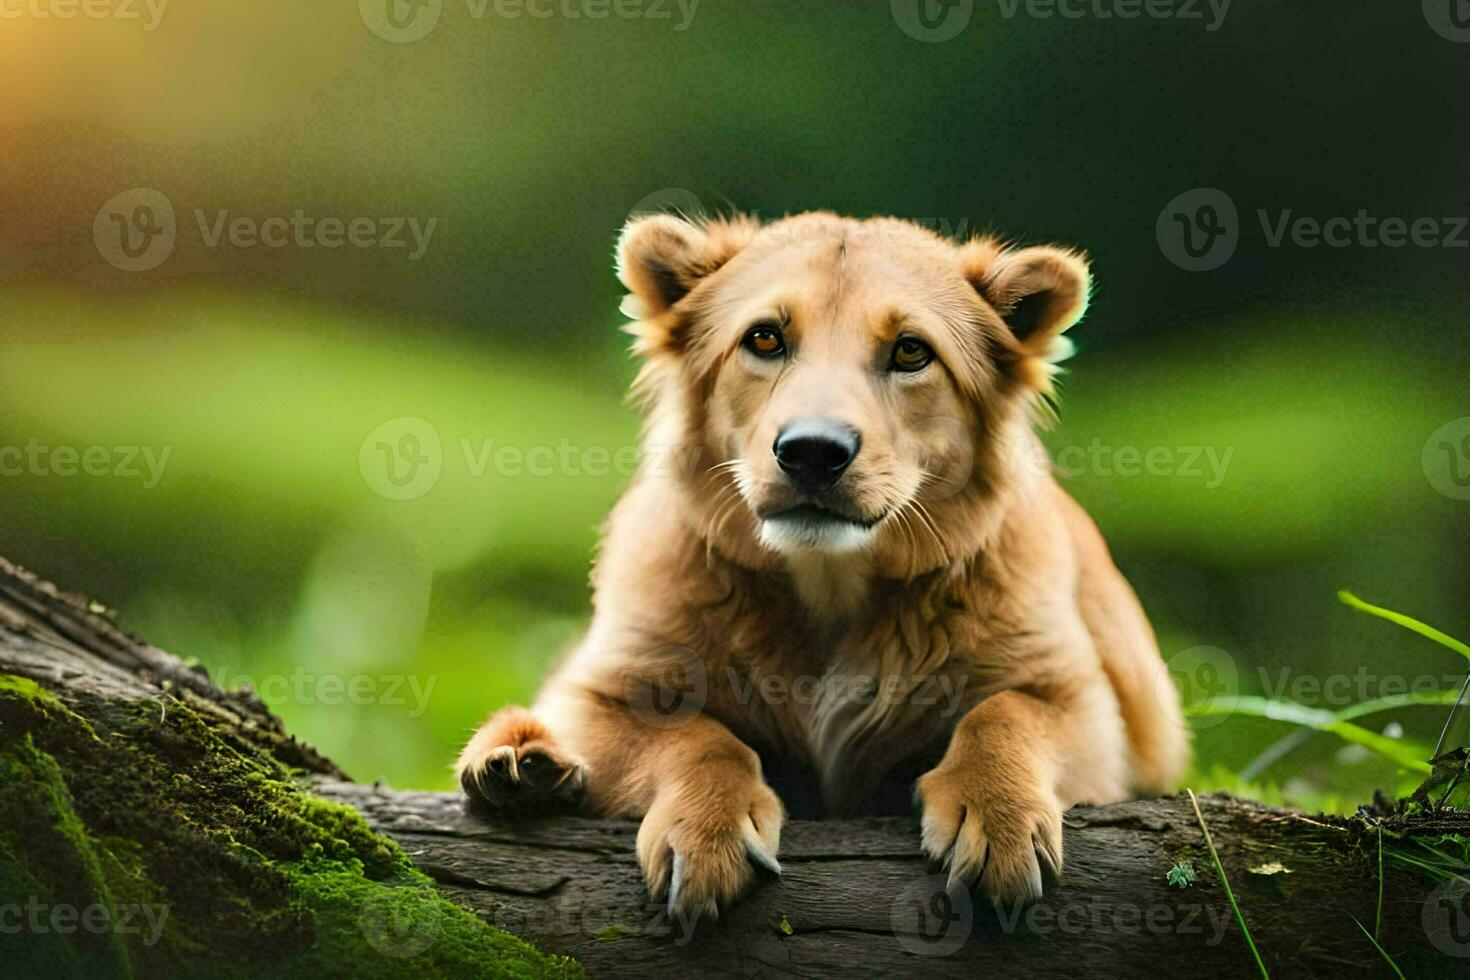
[(811, 527), (811, 513)]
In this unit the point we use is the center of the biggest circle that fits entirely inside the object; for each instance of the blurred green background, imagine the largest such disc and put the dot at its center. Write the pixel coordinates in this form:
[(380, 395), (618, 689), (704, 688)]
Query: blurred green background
[(383, 630)]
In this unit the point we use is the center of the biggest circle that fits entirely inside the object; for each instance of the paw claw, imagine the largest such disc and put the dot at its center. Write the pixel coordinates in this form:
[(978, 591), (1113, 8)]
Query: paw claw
[(993, 842), (761, 859), (501, 764), (676, 883), (698, 860)]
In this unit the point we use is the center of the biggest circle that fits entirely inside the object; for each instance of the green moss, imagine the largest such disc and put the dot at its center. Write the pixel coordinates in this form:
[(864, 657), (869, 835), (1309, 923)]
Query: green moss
[(24, 687), (197, 855)]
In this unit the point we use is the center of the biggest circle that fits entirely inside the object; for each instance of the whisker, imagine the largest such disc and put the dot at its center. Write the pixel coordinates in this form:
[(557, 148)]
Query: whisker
[(907, 528), (928, 521), (727, 464), (725, 505)]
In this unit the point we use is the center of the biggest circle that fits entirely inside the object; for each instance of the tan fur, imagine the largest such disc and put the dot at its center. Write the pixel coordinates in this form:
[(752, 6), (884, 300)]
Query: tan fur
[(978, 576)]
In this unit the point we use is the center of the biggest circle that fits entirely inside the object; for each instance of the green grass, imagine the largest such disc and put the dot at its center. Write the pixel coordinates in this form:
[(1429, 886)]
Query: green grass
[(1381, 951), (1225, 882), (1406, 754)]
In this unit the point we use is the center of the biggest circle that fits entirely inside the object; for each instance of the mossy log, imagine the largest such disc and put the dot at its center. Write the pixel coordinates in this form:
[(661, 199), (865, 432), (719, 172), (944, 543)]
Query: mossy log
[(130, 782)]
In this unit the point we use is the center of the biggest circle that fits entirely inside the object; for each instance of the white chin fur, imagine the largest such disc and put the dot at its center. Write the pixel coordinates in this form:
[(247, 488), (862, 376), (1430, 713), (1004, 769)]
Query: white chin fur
[(789, 535)]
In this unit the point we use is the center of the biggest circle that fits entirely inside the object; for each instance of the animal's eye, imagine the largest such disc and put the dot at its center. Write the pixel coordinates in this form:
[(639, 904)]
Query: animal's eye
[(911, 354), (764, 340)]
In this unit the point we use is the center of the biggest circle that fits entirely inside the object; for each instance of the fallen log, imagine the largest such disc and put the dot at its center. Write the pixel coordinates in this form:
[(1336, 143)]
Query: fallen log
[(133, 780)]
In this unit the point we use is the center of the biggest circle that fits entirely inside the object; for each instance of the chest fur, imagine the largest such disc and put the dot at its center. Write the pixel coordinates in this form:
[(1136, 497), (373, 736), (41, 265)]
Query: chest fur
[(848, 699)]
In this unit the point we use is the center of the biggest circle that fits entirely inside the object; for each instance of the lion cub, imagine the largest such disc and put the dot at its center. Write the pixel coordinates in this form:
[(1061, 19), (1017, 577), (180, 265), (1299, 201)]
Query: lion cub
[(842, 573)]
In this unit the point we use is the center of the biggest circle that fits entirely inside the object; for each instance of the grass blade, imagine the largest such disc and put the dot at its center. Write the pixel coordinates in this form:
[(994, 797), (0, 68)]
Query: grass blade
[(1444, 639), (1407, 622), (1407, 756), (1381, 951), (1220, 870)]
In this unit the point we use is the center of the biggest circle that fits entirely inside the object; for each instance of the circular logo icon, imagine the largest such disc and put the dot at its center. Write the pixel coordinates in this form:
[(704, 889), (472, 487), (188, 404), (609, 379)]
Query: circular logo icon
[(401, 921), (947, 455), (1199, 230), (932, 21), (1446, 459), (1446, 917), (671, 692), (1449, 18), (931, 919), (135, 231), (1202, 676), (401, 459), (400, 21), (679, 201)]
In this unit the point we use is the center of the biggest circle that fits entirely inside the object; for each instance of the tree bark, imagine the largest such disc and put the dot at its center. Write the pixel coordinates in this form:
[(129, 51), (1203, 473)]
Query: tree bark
[(857, 895)]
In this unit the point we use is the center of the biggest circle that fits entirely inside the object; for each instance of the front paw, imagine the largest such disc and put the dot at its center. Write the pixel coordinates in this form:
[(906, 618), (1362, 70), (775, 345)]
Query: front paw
[(699, 846), (990, 830), (514, 765)]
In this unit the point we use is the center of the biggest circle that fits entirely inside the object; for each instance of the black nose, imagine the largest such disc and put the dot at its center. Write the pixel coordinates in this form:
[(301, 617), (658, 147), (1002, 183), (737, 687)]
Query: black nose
[(815, 452)]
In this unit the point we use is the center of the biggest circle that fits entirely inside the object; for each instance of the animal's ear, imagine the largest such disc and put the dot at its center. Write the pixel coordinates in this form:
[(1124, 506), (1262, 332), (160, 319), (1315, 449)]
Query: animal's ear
[(662, 257), (1038, 291)]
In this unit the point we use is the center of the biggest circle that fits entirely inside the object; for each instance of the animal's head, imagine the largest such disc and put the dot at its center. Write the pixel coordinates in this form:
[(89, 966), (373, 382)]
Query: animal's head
[(833, 385)]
